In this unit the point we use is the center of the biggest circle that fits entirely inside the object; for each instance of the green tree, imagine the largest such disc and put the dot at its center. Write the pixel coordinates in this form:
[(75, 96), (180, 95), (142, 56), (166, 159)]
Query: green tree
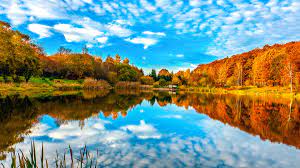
[(163, 82), (126, 73), (153, 74)]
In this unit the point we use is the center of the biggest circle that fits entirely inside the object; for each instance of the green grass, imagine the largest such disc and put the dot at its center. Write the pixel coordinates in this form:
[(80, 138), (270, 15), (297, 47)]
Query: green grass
[(38, 80)]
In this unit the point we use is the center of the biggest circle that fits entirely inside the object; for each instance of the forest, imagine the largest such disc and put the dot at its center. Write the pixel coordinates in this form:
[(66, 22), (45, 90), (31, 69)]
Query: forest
[(21, 60)]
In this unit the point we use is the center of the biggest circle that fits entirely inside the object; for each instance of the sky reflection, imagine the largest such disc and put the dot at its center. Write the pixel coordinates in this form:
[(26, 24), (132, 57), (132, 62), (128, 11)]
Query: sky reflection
[(155, 136)]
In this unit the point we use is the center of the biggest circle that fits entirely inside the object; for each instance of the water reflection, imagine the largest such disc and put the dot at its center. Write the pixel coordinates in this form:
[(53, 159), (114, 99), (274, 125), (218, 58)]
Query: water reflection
[(158, 129)]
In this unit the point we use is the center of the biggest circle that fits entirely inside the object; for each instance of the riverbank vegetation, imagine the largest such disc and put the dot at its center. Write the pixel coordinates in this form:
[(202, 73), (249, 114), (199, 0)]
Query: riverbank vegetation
[(25, 66)]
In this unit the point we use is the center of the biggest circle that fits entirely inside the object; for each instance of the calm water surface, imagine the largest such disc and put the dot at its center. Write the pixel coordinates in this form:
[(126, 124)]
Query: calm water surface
[(157, 129)]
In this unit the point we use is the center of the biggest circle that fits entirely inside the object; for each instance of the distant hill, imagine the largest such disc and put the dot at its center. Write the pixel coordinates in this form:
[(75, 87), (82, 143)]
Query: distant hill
[(268, 66)]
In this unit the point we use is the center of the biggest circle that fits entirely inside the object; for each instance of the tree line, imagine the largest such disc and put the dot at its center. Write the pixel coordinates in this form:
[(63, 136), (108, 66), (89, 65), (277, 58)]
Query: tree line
[(20, 57), (276, 65)]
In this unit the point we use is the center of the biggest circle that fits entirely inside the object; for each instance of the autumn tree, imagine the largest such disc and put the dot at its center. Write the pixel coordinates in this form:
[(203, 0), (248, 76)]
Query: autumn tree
[(126, 61), (6, 49), (176, 81), (19, 56), (117, 59), (222, 74), (290, 69), (238, 74), (165, 74)]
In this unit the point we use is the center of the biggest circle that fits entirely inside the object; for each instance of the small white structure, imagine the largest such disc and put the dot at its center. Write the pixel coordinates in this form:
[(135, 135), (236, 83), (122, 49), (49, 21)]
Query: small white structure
[(173, 87)]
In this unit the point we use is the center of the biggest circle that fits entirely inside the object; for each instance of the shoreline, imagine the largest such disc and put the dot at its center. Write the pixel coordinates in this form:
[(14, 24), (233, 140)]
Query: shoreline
[(36, 90)]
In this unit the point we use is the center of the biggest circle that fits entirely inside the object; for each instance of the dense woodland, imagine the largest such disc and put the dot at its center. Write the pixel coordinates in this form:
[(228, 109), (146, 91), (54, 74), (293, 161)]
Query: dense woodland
[(276, 65), (20, 58)]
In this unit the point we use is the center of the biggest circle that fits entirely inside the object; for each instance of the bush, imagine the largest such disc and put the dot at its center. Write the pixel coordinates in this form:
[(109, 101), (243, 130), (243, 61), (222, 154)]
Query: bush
[(128, 85), (92, 84), (147, 80), (156, 85), (163, 82)]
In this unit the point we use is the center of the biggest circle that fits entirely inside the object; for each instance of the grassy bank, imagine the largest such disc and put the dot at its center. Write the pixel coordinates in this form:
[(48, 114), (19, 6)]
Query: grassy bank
[(37, 87), (249, 90), (45, 86)]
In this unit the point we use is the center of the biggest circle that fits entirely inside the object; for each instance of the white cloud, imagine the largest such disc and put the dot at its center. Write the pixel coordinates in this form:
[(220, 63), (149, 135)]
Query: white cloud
[(42, 30), (143, 40), (124, 22), (197, 3), (102, 40), (147, 5), (98, 10), (154, 33), (77, 34), (232, 26), (143, 131), (118, 30), (176, 116), (19, 11), (179, 55), (193, 65)]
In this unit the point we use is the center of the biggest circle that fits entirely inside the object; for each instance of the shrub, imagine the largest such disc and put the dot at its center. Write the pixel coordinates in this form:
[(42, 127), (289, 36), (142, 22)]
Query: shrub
[(147, 80), (128, 85), (156, 85), (163, 82), (92, 84)]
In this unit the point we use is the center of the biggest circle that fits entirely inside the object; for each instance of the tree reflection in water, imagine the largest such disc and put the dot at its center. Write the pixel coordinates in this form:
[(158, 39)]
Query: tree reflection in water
[(277, 120)]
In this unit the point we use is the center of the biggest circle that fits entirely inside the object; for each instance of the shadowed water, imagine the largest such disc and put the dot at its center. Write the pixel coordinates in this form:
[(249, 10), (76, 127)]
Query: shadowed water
[(156, 129)]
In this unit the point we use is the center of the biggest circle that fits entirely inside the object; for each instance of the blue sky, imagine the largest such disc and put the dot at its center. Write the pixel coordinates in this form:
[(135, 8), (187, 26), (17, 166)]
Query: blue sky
[(156, 33)]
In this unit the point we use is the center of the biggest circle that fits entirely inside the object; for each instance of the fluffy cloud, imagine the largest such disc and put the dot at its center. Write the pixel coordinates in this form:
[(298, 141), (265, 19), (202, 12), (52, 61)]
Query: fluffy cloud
[(154, 33), (146, 41), (20, 11), (42, 30), (147, 5), (77, 34), (143, 131), (179, 55), (118, 30), (102, 40)]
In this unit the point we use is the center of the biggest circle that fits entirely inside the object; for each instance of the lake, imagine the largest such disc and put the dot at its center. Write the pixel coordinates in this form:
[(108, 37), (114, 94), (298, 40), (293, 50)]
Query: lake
[(156, 129)]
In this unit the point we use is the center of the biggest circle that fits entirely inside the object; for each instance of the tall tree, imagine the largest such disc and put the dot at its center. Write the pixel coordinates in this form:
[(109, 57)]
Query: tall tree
[(85, 50), (153, 74)]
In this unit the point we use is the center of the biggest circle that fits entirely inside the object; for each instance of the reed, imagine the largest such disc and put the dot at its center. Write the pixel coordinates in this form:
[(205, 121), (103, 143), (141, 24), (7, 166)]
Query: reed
[(84, 159), (128, 85)]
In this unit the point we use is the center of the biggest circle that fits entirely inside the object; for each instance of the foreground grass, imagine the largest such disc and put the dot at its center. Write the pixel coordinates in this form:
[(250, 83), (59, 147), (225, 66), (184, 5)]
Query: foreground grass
[(69, 159)]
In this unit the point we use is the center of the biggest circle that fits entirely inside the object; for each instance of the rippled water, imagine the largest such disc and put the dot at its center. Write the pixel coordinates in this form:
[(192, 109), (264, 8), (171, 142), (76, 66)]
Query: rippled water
[(157, 129)]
